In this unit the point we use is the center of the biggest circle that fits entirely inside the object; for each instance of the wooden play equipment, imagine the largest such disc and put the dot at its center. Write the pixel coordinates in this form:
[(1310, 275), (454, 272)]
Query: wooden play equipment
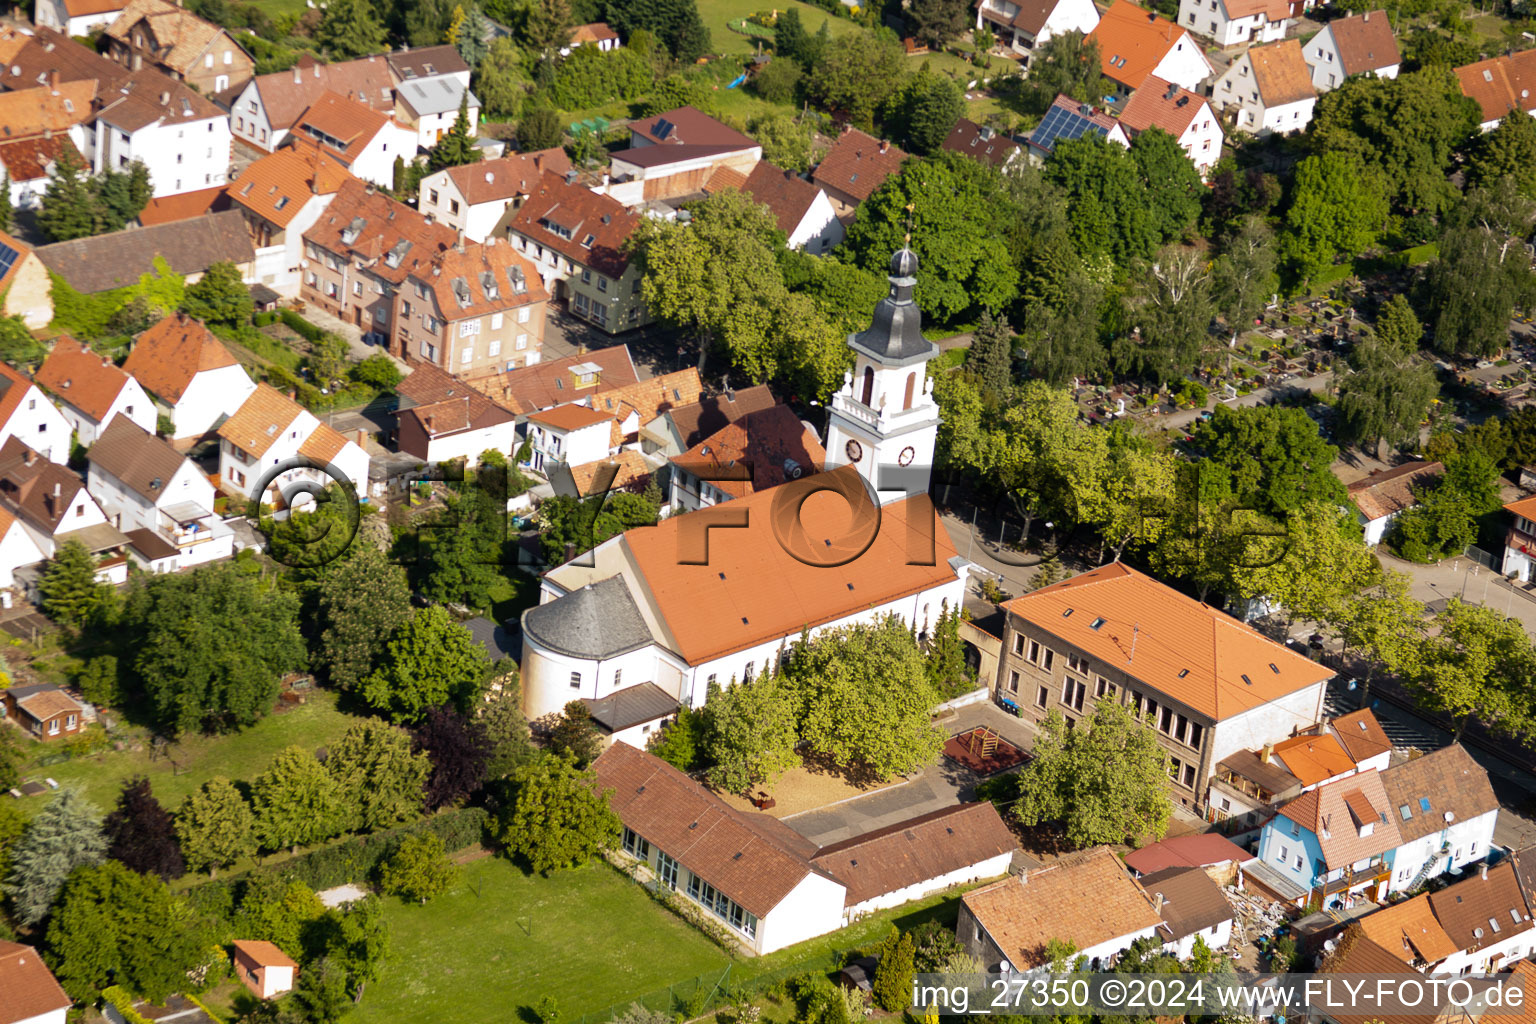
[(982, 743)]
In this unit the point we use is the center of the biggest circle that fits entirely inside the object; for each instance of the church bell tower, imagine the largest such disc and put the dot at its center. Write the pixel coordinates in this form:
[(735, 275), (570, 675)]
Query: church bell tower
[(884, 419)]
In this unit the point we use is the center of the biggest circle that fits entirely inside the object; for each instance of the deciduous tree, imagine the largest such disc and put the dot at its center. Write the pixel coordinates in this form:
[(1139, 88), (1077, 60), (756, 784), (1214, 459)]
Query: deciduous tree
[(1243, 278), (924, 110), (1478, 665), (855, 75), (419, 869), (786, 141), (380, 781), (576, 735), (1314, 568), (1482, 273), (219, 297), (361, 600), (1391, 389), (215, 826), (558, 818), (1338, 207), (430, 660), (1509, 151), (460, 749), (1069, 62), (499, 82), (748, 731), (936, 22), (676, 23), (1276, 457), (295, 801), (141, 834)]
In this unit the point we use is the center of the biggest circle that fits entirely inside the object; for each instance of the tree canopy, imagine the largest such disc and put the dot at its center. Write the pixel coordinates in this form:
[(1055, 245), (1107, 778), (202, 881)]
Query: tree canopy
[(430, 660)]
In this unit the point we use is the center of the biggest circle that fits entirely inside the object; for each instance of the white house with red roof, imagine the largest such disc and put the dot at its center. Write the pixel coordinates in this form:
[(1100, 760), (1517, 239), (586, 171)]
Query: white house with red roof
[(91, 389), (269, 428), (1520, 539), (27, 415), (1183, 114), (1023, 25), (77, 18), (363, 140), (193, 378), (281, 197), (573, 434), (673, 154), (181, 136), (1268, 89), (473, 197), (596, 33), (801, 209), (32, 995), (1236, 22), (1357, 44), (1135, 43)]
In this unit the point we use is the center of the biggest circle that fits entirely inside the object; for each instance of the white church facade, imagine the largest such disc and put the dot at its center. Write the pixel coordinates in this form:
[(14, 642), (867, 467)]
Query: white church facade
[(717, 596)]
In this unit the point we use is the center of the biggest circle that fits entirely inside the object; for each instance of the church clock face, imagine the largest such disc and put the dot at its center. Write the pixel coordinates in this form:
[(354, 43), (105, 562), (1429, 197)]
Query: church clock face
[(855, 451), (906, 456)]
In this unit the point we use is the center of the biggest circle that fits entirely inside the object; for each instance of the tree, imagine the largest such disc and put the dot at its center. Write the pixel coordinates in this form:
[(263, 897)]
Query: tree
[(936, 22), (379, 779), (115, 926), (506, 731), (946, 662), (11, 760), (419, 869), (283, 912), (72, 595), (215, 826), (62, 836), (356, 942), (460, 749), (212, 645), (12, 824), (321, 992), (472, 32), (867, 699), (557, 818), (1069, 62), (952, 204), (678, 742), (1243, 278), (295, 801), (361, 600), (377, 371), (1383, 623), (1390, 391), (462, 550), (1509, 151), (1477, 667), (1442, 523), (1107, 202), (575, 735), (678, 89), (991, 355), (786, 142), (892, 986), (547, 26), (1482, 273), (219, 297), (1275, 455), (431, 660), (777, 83), (855, 75), (573, 526), (676, 24), (141, 834), (499, 83), (1068, 782), (349, 29), (924, 110), (6, 211), (1314, 568), (1172, 182), (748, 732), (456, 147), (1172, 313), (1338, 207), (69, 207)]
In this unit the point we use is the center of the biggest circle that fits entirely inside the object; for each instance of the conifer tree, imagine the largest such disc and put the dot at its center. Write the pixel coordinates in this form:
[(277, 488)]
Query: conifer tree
[(349, 29), (457, 146), (65, 834)]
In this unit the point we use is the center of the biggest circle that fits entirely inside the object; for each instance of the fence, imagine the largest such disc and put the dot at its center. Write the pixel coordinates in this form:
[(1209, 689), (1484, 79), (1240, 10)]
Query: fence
[(1481, 557)]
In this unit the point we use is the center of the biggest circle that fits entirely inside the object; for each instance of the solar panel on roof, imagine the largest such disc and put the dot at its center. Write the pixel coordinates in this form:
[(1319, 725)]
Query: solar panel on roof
[(8, 257)]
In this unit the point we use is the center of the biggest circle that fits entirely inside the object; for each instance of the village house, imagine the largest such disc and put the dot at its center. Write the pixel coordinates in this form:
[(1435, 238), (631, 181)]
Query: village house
[(25, 290), (180, 136), (120, 258), (1088, 899), (854, 167), (596, 33), (31, 164), (1135, 43), (195, 381), (1380, 497), (363, 140), (441, 418), (1360, 44), (678, 429), (281, 196), (1023, 26), (77, 17), (637, 405), (359, 252), (265, 110), (471, 309), (53, 506), (28, 416), (576, 239), (624, 470), (672, 155), (1268, 89), (801, 210), (36, 115), (1236, 22), (1219, 858), (1192, 907), (17, 549), (158, 497), (1446, 812), (473, 198), (1181, 113), (430, 106), (758, 451), (982, 144), (1520, 539), (32, 994), (182, 206), (572, 434), (1500, 85), (271, 427), (767, 884), (1480, 925), (1116, 634), (43, 710), (548, 383), (423, 62), (92, 390), (167, 36), (1066, 118), (632, 715), (263, 968)]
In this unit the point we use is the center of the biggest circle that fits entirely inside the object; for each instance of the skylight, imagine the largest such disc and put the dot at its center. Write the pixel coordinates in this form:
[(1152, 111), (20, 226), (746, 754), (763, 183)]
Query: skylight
[(1246, 679), (1424, 804), (1405, 812), (1096, 623)]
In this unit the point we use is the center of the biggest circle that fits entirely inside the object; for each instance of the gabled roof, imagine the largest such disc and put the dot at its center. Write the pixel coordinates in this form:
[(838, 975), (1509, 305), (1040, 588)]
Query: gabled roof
[(1191, 902), (427, 61), (1361, 735), (594, 32), (39, 109), (79, 8), (277, 186), (1274, 11), (30, 159), (785, 193), (722, 178), (1501, 84), (1084, 898), (1132, 41), (1185, 649), (86, 380), (166, 357), (389, 238), (1281, 73), (648, 399), (1068, 119), (584, 227), (1482, 909), (758, 451), (551, 382), (858, 163), (184, 206), (482, 278), (263, 416), (631, 470), (1314, 759), (695, 422), (48, 50), (323, 444), (182, 36), (285, 94), (1409, 931), (1386, 493), (263, 953), (1357, 953), (445, 405), (35, 488), (979, 143), (13, 253), (1029, 15), (1203, 850), (568, 417), (148, 97), (688, 126), (495, 181), (1364, 42), (13, 388), (104, 262), (1337, 812), (1161, 104), (911, 852), (44, 701), (143, 462), (1444, 785), (341, 126), (436, 96), (753, 859), (29, 987)]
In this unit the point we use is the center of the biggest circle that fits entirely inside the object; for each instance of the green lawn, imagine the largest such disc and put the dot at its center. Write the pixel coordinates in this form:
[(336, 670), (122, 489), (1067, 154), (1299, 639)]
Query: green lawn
[(195, 759), (717, 13), (503, 940)]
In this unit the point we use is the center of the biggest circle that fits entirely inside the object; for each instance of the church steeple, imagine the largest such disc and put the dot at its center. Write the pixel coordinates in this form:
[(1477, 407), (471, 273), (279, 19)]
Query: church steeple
[(895, 334)]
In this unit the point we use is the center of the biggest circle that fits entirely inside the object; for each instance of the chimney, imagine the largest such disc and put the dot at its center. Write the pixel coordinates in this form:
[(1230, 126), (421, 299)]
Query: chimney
[(458, 241), (165, 97), (1157, 903), (1268, 753), (26, 457), (53, 80), (362, 435), (1173, 90), (55, 490)]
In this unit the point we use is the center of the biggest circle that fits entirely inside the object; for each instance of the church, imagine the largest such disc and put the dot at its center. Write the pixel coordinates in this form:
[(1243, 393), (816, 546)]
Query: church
[(649, 620)]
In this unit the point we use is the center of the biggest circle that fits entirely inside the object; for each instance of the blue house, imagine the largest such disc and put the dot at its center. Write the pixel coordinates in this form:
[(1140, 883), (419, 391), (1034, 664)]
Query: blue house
[(1333, 843)]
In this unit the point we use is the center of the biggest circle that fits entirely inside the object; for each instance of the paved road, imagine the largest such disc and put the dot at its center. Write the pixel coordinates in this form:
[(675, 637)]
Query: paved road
[(1461, 577)]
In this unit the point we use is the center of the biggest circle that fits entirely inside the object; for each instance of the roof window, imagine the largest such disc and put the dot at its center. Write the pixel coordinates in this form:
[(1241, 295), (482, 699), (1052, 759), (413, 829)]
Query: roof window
[(1424, 804), (1096, 623), (1183, 672), (1067, 614), (1274, 668), (1405, 811), (1246, 679)]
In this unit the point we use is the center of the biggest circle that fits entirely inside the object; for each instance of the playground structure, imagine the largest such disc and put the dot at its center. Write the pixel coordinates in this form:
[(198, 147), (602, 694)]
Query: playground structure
[(983, 751)]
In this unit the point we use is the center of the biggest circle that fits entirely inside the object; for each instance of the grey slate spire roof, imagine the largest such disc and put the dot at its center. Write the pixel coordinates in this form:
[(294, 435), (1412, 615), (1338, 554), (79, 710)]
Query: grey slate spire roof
[(598, 621), (895, 335)]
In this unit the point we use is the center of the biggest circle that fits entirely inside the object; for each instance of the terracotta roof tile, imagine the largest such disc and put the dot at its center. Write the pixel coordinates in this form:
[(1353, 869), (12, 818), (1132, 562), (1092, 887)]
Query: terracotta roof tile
[(1525, 507), (1229, 669), (39, 109), (1314, 759), (632, 472), (551, 382), (1202, 850), (264, 953), (30, 159), (688, 126), (595, 32), (1525, 973), (648, 399), (1274, 11), (857, 164), (785, 193), (45, 701), (427, 61), (339, 125), (285, 94), (13, 388), (1444, 781), (766, 448), (569, 417), (1161, 104), (50, 50), (1132, 41), (1482, 909), (36, 489), (143, 462), (723, 177), (445, 405), (166, 357), (86, 380), (1084, 898), (184, 206), (277, 187), (1031, 15), (1384, 494), (114, 260), (256, 424), (1409, 931), (30, 988), (592, 229), (148, 97), (695, 422), (1361, 735), (1358, 954), (1501, 84), (323, 444), (187, 35), (971, 139), (1364, 42), (1280, 73), (494, 181), (911, 852), (487, 277), (392, 239), (1334, 812)]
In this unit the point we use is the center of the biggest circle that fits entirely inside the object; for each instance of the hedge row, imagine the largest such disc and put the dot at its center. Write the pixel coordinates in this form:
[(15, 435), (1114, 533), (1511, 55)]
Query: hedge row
[(354, 859)]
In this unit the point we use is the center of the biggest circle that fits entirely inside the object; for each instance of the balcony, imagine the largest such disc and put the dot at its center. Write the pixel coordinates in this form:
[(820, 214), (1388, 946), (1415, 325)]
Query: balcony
[(855, 410)]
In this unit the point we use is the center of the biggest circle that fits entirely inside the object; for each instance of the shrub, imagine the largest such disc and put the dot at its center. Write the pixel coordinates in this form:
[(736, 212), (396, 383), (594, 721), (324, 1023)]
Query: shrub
[(377, 371), (303, 328)]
